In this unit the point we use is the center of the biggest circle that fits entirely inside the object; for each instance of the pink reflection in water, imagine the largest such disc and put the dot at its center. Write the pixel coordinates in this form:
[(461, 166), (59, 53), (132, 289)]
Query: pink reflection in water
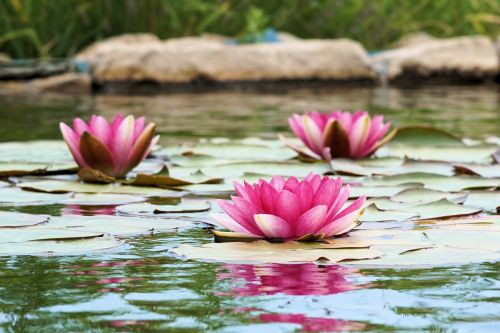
[(311, 324), (290, 279), (87, 210)]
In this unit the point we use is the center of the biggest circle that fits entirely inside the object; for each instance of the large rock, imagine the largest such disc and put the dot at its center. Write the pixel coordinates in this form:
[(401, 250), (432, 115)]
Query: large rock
[(455, 59), (144, 58), (68, 83)]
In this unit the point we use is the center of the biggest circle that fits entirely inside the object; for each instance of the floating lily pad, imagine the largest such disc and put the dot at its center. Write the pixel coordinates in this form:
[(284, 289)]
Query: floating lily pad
[(17, 220), (374, 214), (11, 169), (61, 186), (262, 251), (116, 225), (35, 152), (147, 209), (486, 171), (464, 154), (14, 196), (288, 169), (434, 182), (423, 195), (75, 247), (425, 135), (351, 167), (168, 181), (231, 151), (487, 200), (102, 199), (376, 192), (44, 233), (480, 240)]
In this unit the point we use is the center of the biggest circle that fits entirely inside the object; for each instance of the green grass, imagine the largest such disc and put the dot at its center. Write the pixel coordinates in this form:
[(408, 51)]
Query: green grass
[(60, 28)]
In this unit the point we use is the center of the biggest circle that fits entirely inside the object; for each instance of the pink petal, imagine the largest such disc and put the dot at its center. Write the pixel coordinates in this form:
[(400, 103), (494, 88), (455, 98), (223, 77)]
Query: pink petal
[(123, 140), (229, 223), (358, 135), (139, 149), (80, 126), (73, 142), (310, 221), (287, 207), (328, 192), (268, 197), (305, 195), (273, 226), (277, 182), (236, 215), (314, 135), (342, 225), (138, 127), (99, 128)]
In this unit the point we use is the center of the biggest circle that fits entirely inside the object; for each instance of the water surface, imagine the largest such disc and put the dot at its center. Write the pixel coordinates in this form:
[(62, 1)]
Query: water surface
[(142, 288)]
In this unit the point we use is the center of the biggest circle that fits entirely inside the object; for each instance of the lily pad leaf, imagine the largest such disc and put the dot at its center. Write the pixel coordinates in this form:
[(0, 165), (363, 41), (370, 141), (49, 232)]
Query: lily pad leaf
[(263, 251), (425, 135), (465, 154), (168, 181), (351, 167), (44, 233), (102, 199), (434, 182), (147, 209), (17, 220), (374, 214), (486, 171), (423, 195), (376, 192), (75, 247), (14, 196), (117, 225), (487, 200), (11, 169), (481, 240), (62, 186), (90, 175), (43, 151)]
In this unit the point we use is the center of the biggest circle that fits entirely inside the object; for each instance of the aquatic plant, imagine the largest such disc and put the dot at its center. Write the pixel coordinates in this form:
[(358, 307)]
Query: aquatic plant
[(340, 134), (291, 209), (113, 148)]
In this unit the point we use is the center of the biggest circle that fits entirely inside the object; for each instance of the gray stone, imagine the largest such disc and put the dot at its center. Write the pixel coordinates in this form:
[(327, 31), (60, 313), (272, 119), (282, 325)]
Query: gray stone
[(457, 59), (136, 58), (68, 83)]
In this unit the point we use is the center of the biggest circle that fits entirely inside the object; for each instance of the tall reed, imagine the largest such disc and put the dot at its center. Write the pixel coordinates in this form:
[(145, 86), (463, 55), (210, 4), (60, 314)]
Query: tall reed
[(60, 28)]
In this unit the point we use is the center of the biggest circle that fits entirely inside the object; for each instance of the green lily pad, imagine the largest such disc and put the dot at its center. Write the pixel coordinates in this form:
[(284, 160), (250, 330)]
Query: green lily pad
[(75, 247), (485, 171), (11, 169), (18, 220), (35, 152), (425, 135), (262, 251), (464, 154), (231, 151), (15, 196), (62, 186), (288, 169), (101, 199), (480, 240), (374, 214), (117, 225), (44, 233), (434, 182), (147, 209), (168, 181), (376, 192), (351, 167), (487, 200), (423, 195)]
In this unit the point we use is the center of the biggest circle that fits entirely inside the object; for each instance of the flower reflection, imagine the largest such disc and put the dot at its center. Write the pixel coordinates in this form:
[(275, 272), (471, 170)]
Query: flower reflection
[(87, 210), (290, 279), (311, 324)]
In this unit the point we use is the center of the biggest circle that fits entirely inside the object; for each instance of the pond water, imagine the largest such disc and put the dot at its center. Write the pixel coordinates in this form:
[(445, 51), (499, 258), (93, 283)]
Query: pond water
[(141, 287)]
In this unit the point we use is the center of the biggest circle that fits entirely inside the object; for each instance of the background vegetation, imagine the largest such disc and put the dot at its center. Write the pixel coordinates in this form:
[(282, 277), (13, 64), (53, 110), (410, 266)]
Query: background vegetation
[(59, 28)]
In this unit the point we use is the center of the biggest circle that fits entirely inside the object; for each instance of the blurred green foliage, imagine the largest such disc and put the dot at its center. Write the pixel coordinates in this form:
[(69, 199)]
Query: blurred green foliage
[(59, 28)]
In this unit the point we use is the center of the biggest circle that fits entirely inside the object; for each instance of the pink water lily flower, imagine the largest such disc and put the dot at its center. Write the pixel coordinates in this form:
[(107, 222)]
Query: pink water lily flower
[(340, 134), (113, 148), (290, 209)]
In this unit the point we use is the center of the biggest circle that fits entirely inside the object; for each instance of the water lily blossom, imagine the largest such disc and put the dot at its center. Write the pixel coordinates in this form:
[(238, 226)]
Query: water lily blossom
[(113, 148), (290, 209), (340, 134)]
